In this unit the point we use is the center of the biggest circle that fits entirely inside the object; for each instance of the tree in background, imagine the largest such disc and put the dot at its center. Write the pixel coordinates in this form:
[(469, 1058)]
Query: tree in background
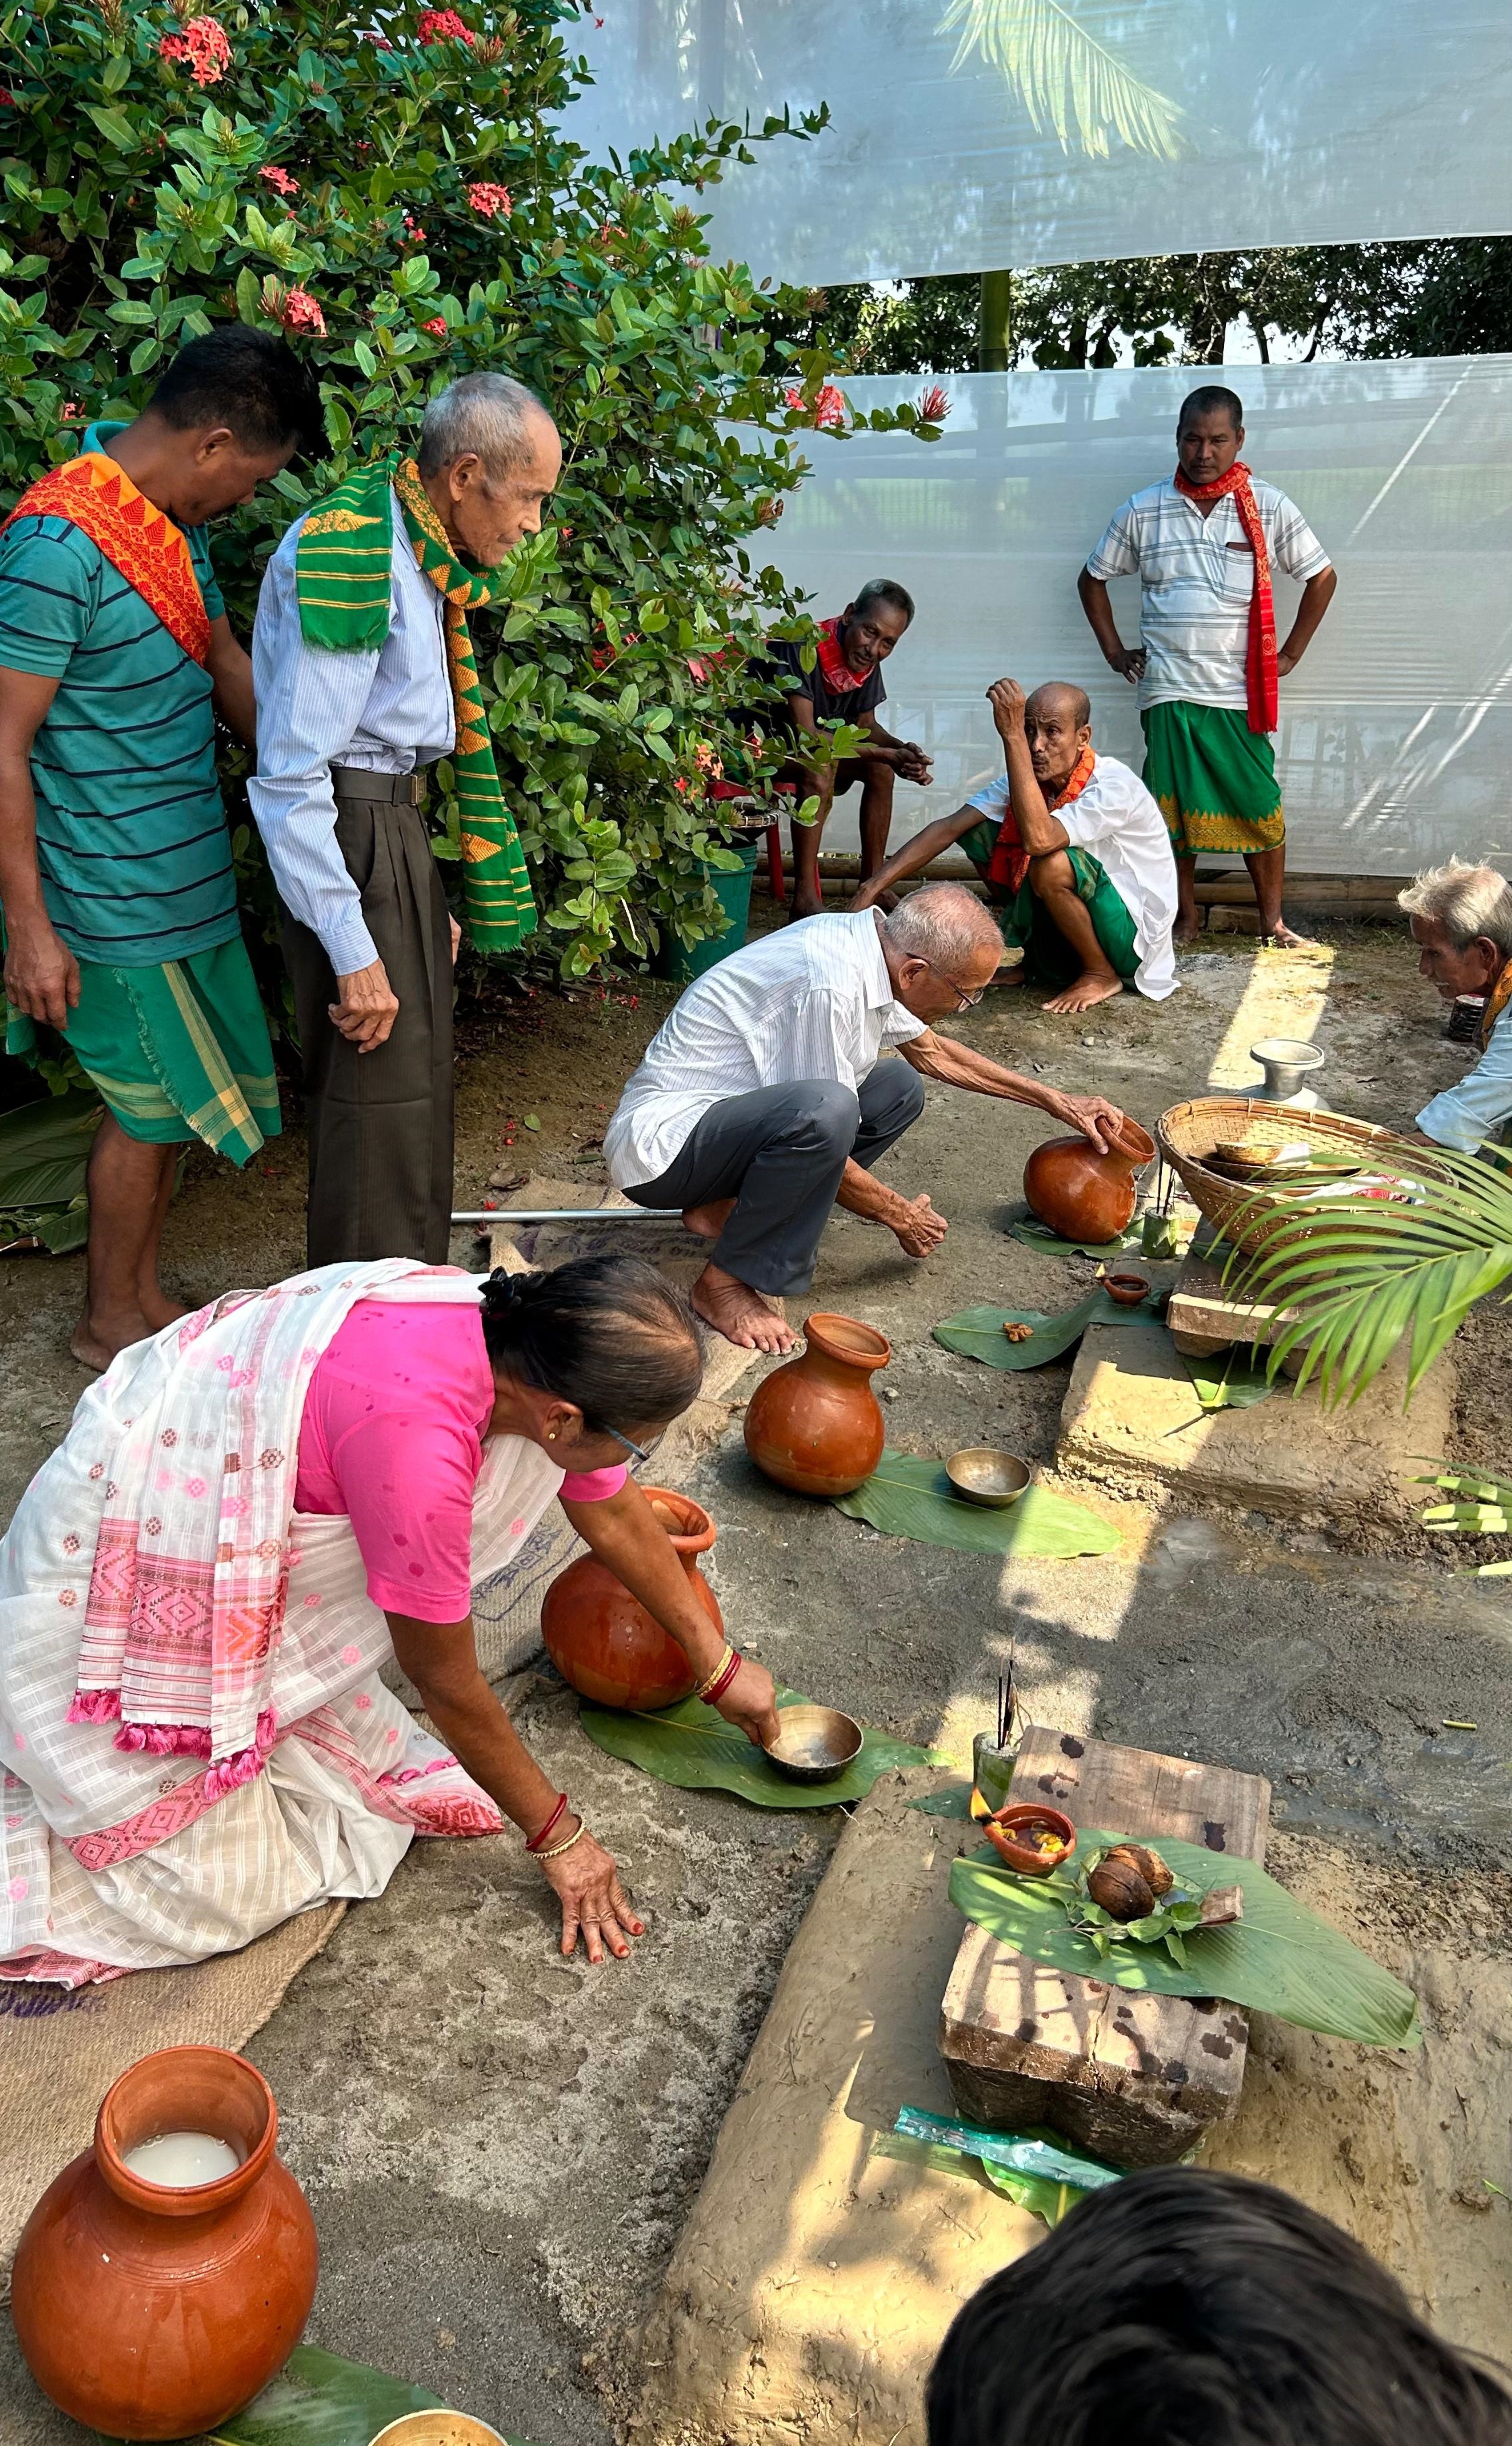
[(1438, 298), (396, 193)]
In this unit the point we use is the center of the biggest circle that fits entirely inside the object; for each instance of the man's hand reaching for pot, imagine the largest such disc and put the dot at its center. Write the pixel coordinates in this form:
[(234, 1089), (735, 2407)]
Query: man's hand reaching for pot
[(1097, 1119)]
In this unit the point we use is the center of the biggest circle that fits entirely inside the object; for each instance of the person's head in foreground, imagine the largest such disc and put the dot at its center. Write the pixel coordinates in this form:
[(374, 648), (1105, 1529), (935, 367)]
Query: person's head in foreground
[(942, 947), (489, 458), (1179, 2309), (1058, 727), (871, 627), (591, 1360), (233, 408), (1461, 923), (1209, 433)]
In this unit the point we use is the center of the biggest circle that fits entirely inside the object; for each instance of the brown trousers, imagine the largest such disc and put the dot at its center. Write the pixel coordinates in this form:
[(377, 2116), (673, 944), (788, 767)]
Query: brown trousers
[(380, 1123)]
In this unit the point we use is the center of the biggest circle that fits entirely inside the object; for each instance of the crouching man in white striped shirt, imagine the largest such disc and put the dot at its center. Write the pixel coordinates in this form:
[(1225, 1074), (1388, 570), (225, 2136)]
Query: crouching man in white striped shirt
[(762, 1102)]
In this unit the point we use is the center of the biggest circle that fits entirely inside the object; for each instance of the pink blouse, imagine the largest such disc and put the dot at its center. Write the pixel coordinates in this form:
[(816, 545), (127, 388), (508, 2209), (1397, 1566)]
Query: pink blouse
[(392, 1436)]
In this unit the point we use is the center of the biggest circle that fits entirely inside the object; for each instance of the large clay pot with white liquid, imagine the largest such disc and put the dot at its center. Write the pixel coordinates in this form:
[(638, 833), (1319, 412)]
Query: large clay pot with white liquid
[(151, 2311), (815, 1425)]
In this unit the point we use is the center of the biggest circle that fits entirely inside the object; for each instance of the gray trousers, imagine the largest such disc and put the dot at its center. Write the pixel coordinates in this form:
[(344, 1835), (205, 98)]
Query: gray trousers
[(780, 1153), (380, 1123)]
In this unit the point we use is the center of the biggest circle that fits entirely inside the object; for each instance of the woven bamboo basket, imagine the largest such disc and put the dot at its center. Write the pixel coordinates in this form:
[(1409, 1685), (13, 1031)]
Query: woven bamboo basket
[(1189, 1133)]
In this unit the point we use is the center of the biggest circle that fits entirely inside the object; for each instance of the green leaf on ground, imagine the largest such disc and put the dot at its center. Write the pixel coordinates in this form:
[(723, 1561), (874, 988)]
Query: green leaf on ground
[(977, 1332), (1281, 1958), (906, 1496), (952, 1801), (1229, 1382), (320, 2399), (1039, 1235), (692, 1746)]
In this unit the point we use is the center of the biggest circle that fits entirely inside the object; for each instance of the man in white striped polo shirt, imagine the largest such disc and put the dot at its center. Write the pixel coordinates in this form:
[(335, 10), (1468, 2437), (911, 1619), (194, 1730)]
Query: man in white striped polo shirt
[(762, 1101), (1203, 543)]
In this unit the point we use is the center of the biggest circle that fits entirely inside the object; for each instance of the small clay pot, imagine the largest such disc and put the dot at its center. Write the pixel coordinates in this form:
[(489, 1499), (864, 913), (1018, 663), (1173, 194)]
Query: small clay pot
[(1126, 1290), (603, 1641), (815, 1425), (1082, 1194), (146, 2311), (1006, 1829)]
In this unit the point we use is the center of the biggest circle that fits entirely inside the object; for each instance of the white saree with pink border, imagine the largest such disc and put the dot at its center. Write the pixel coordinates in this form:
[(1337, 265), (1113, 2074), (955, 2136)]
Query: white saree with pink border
[(194, 1741)]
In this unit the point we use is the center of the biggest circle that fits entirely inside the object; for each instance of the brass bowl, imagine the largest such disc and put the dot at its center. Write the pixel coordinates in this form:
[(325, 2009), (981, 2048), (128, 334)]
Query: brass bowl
[(814, 1744), (984, 1475), (437, 2427)]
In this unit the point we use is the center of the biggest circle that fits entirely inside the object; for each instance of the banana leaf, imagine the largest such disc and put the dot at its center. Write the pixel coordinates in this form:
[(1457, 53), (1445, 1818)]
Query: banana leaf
[(44, 1148), (977, 1332), (691, 1745), (1226, 1381), (1281, 1958), (1049, 1244), (320, 2399), (906, 1496)]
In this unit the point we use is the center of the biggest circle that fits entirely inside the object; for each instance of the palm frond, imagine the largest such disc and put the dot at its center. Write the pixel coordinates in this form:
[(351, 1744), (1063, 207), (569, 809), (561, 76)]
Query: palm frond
[(1356, 1278), (1063, 76)]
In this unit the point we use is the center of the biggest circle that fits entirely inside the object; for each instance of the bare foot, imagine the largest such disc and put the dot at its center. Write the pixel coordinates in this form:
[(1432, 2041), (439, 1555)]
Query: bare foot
[(1185, 929), (159, 1308), (1283, 936), (807, 904), (707, 1222), (96, 1340), (1088, 989), (1009, 976), (885, 901), (739, 1313)]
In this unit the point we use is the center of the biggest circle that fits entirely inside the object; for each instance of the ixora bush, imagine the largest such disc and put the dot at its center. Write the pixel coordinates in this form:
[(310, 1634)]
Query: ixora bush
[(398, 195)]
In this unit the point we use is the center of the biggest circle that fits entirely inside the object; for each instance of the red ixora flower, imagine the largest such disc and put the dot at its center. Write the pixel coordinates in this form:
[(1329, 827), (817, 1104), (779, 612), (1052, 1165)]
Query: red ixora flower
[(437, 326), (441, 26), (828, 411), (379, 41), (295, 308), (490, 200), (934, 404), (279, 179), (204, 46), (415, 235)]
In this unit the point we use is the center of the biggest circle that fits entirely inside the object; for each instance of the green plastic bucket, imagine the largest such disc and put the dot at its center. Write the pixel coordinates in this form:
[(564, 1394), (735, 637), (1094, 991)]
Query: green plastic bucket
[(732, 889)]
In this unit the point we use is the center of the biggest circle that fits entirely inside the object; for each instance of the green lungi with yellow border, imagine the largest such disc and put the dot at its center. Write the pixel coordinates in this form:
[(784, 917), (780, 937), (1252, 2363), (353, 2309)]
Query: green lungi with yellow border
[(1026, 924), (1213, 779), (177, 1051)]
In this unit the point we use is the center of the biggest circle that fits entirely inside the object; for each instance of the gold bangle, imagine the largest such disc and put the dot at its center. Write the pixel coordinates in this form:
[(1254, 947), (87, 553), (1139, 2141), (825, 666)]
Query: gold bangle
[(557, 1849), (710, 1679)]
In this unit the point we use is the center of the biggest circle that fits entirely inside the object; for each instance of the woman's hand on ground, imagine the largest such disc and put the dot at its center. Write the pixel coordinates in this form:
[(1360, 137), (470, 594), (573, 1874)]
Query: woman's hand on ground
[(593, 1902), (750, 1702)]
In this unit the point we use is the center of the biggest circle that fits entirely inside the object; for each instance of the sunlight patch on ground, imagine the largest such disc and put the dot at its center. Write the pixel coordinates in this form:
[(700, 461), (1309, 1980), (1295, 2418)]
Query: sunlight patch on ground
[(1286, 995)]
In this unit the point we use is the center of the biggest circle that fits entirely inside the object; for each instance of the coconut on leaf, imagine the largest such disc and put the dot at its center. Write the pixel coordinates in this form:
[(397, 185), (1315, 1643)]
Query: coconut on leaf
[(1149, 1864), (1118, 1886)]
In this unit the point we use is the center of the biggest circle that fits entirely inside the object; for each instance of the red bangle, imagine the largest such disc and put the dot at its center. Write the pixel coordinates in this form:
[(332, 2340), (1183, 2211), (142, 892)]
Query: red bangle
[(713, 1696), (534, 1842)]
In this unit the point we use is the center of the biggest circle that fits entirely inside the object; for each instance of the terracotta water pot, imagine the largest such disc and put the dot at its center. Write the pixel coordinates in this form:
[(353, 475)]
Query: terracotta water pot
[(815, 1425), (602, 1640), (150, 2312), (1082, 1194)]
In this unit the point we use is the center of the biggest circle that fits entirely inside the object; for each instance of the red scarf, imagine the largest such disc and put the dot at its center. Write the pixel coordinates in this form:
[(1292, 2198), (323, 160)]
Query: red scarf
[(135, 538), (1260, 675), (834, 669), (1010, 859)]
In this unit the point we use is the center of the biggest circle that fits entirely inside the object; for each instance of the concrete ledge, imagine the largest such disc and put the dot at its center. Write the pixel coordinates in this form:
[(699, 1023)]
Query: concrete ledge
[(1132, 1419), (813, 2282)]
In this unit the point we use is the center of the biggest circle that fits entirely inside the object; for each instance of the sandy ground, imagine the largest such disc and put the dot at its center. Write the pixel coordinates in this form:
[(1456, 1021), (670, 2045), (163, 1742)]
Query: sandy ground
[(500, 2148)]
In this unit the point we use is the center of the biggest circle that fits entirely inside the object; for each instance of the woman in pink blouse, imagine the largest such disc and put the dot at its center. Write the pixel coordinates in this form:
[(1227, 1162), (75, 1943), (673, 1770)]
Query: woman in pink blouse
[(252, 1512)]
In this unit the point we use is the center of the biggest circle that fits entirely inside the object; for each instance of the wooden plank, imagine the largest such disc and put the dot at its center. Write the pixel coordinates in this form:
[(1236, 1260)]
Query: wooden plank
[(1135, 2079), (1203, 1307)]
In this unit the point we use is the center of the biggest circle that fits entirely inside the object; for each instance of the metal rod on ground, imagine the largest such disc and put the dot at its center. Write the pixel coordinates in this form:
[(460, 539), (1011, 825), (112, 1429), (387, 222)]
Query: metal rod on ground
[(571, 1214)]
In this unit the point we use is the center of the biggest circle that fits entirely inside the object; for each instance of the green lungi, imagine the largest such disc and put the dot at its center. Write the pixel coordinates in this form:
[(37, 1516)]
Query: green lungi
[(1048, 959), (176, 1051), (1213, 779)]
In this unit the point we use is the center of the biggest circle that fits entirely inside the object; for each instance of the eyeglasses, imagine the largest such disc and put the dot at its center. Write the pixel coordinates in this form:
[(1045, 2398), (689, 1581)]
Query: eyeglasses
[(964, 1001), (641, 1452)]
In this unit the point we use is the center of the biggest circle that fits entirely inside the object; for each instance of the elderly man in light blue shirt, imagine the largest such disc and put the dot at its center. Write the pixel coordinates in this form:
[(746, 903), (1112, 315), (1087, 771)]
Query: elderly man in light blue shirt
[(1461, 923), (343, 741)]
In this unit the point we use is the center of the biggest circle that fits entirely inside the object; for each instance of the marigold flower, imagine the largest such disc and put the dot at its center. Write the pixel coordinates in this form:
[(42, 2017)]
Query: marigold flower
[(279, 179), (203, 44), (490, 200), (441, 26), (934, 404)]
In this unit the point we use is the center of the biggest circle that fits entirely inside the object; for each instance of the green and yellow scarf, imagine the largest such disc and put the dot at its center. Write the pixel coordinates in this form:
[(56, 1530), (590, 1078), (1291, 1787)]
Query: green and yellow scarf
[(342, 577)]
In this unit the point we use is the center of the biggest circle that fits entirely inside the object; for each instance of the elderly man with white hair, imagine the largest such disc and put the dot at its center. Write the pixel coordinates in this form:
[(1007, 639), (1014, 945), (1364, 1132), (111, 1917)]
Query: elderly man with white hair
[(1462, 922), (364, 675), (762, 1101)]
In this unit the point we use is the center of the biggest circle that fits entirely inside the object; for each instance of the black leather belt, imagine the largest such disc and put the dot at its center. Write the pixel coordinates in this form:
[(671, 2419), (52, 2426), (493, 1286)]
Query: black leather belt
[(401, 789)]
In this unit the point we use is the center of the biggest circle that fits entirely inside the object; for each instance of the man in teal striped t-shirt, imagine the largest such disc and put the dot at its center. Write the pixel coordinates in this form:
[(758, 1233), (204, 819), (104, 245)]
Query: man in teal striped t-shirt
[(116, 876)]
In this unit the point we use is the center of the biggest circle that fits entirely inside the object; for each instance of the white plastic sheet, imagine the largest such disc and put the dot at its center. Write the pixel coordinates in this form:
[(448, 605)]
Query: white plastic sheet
[(1068, 131), (1396, 744)]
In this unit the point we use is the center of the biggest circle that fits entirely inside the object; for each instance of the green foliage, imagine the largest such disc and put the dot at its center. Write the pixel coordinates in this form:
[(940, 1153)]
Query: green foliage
[(691, 1745), (400, 198), (906, 1496), (977, 1332)]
